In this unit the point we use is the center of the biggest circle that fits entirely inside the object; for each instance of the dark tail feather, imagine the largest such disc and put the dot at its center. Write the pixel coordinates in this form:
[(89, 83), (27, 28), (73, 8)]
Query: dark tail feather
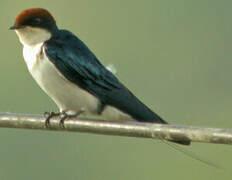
[(161, 121), (125, 101), (184, 142), (157, 118)]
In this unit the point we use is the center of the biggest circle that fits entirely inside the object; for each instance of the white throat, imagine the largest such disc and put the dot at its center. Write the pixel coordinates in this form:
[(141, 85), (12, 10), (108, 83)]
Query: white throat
[(32, 40), (31, 36)]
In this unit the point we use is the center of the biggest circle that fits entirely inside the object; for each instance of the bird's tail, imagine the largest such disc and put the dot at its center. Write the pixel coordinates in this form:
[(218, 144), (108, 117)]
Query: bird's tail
[(185, 142), (156, 118), (125, 101)]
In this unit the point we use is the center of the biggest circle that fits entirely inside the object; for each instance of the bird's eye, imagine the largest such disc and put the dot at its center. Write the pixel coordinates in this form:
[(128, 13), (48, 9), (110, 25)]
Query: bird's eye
[(37, 20)]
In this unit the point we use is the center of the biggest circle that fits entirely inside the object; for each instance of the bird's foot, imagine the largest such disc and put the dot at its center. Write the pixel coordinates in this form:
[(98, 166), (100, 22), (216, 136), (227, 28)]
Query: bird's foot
[(64, 116), (48, 116)]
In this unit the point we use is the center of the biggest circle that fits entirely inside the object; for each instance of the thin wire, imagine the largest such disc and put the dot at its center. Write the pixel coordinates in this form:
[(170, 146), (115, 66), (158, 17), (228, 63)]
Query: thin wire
[(192, 155)]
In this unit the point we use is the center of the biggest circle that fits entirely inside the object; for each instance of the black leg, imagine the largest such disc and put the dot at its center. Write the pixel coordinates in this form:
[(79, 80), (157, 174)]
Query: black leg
[(64, 116), (48, 116)]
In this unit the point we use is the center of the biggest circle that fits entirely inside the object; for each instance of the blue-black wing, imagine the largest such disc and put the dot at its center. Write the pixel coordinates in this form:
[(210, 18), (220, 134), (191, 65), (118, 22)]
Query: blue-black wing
[(79, 65)]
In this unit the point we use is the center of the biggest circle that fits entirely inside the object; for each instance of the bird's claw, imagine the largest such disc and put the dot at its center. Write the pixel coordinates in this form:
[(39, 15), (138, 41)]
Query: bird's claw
[(48, 116), (63, 116)]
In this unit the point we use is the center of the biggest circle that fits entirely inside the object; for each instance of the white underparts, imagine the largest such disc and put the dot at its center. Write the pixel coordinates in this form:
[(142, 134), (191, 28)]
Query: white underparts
[(67, 95)]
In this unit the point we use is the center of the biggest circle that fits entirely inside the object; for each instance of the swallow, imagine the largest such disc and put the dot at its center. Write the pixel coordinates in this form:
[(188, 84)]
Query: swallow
[(71, 75)]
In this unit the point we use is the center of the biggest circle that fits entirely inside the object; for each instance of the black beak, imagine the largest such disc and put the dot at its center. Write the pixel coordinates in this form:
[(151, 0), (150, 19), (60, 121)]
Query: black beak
[(14, 27)]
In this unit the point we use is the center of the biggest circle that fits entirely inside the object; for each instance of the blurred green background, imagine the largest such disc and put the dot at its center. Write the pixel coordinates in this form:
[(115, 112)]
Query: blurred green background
[(174, 55)]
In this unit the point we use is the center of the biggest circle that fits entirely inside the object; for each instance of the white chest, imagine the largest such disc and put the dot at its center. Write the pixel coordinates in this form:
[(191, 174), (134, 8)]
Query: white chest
[(31, 54), (68, 96)]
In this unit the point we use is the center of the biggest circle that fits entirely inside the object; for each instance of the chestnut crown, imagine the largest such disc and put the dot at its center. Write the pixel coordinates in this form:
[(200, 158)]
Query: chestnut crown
[(35, 17)]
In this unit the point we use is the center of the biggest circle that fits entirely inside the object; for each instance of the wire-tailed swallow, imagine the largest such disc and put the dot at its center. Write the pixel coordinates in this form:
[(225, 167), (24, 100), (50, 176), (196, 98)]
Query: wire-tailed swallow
[(72, 75)]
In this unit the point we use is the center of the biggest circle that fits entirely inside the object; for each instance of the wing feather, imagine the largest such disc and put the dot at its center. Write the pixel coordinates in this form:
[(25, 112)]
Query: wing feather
[(79, 65)]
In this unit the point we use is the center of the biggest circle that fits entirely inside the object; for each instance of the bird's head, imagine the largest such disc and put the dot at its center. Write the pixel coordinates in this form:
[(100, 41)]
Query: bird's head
[(34, 26)]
